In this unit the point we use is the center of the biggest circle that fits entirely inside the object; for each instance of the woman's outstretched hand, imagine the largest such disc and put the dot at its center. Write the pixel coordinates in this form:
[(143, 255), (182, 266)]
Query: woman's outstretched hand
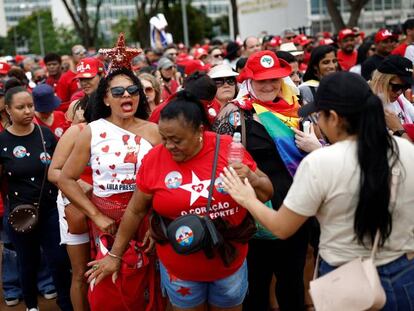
[(99, 269), (241, 192)]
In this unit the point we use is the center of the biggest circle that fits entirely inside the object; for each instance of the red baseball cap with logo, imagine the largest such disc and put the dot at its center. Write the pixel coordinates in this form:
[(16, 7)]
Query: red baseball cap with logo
[(4, 68), (345, 33), (264, 65), (89, 67), (384, 34)]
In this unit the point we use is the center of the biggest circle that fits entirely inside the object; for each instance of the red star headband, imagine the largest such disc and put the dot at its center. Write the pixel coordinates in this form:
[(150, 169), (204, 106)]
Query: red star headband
[(120, 56)]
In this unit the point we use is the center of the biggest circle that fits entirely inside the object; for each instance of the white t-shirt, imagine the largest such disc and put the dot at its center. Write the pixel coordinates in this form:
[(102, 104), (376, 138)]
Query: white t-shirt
[(405, 115), (326, 185), (409, 52)]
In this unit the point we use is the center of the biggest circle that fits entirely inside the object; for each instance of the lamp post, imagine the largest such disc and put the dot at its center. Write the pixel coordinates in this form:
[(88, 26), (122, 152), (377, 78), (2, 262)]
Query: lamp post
[(185, 25), (40, 30), (39, 25)]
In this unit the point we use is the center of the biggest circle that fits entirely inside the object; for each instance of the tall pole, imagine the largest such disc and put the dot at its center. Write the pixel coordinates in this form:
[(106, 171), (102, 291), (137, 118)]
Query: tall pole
[(185, 25), (39, 29), (15, 40), (231, 22)]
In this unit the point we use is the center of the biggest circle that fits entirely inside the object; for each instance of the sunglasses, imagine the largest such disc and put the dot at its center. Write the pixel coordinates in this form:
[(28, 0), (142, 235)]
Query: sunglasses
[(395, 87), (118, 91), (221, 81), (218, 56), (314, 117), (148, 89)]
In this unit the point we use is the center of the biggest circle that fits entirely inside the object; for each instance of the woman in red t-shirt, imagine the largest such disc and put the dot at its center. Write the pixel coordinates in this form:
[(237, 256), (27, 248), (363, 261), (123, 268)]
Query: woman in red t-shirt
[(175, 177)]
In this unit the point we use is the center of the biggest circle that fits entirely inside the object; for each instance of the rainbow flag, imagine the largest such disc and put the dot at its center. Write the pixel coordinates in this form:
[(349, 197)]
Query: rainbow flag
[(278, 127)]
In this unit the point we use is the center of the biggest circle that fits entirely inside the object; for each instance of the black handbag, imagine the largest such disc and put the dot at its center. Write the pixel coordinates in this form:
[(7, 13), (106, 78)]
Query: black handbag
[(191, 233), (24, 217)]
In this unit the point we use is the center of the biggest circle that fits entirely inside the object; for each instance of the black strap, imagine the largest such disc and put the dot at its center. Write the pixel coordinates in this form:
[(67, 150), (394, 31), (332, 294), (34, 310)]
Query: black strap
[(46, 166), (213, 173)]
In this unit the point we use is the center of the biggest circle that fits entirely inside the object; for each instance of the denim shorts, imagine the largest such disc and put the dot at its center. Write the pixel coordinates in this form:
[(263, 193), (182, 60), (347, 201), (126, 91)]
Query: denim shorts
[(223, 293), (397, 279)]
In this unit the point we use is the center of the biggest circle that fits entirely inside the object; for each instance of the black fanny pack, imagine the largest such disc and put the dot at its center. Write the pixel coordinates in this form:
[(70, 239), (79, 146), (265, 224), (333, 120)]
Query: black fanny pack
[(191, 233)]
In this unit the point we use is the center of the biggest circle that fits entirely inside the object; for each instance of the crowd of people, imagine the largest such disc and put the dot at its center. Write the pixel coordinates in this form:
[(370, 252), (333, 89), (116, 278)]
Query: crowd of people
[(118, 152)]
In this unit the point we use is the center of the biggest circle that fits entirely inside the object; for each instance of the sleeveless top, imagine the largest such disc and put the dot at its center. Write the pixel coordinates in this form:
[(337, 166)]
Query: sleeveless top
[(116, 156)]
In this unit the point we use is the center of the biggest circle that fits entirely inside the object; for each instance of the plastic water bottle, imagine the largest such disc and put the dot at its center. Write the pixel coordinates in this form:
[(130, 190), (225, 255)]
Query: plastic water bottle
[(306, 127), (236, 150)]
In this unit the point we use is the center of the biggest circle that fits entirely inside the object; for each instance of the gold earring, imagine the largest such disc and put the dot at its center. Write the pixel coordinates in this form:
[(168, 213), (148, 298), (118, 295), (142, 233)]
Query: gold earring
[(201, 139)]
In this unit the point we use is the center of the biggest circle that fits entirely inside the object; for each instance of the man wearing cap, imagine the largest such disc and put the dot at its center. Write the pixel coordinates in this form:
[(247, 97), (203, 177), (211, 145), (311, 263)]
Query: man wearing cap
[(4, 70), (408, 30), (166, 70), (45, 103), (384, 44), (347, 54)]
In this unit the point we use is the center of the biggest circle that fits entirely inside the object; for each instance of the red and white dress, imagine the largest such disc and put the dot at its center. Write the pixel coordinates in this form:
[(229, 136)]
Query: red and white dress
[(116, 156)]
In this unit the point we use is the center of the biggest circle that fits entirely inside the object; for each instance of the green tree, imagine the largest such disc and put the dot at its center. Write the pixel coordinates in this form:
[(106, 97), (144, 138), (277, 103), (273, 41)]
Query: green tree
[(124, 25), (356, 7), (86, 23), (26, 34), (200, 26)]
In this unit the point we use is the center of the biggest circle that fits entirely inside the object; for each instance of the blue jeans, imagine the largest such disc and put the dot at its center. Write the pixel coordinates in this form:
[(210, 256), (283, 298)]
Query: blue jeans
[(10, 272), (227, 292), (10, 276), (397, 279), (46, 235)]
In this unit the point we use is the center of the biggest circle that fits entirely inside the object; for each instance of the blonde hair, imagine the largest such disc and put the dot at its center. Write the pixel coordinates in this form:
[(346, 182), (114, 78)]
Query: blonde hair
[(380, 84), (155, 84)]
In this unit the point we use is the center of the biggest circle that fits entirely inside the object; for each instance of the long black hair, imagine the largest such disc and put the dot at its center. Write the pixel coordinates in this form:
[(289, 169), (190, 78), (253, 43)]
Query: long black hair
[(187, 106), (317, 55), (377, 153), (100, 110)]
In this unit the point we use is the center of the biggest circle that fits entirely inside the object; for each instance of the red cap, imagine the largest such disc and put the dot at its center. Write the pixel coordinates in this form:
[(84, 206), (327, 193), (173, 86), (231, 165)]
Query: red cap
[(275, 41), (264, 65), (198, 53), (4, 68), (193, 65), (344, 33), (326, 41), (19, 58), (302, 40), (383, 34), (89, 67)]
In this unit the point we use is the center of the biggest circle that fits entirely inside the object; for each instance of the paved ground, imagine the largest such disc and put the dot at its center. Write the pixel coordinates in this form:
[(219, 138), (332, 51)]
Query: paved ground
[(44, 305)]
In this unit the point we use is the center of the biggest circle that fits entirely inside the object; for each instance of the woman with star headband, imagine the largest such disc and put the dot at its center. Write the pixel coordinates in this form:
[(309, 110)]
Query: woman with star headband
[(114, 145)]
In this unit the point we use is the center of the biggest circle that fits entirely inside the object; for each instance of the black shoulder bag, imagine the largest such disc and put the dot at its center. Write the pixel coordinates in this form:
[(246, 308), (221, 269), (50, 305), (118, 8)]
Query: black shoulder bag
[(24, 217), (191, 233)]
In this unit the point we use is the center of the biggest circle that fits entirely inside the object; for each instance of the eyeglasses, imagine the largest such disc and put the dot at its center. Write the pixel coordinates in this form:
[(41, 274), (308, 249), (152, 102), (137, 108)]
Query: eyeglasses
[(118, 91), (148, 89), (395, 87), (221, 81), (218, 56)]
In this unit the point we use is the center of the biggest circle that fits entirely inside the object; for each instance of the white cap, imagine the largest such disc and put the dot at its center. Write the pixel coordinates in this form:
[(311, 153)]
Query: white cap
[(291, 48), (222, 71)]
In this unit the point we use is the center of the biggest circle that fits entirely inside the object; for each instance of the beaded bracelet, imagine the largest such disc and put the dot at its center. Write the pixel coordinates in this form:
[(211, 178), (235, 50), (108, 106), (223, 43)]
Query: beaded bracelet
[(114, 256)]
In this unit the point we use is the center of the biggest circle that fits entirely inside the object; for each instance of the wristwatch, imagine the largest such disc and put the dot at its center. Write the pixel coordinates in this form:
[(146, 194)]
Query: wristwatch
[(398, 133)]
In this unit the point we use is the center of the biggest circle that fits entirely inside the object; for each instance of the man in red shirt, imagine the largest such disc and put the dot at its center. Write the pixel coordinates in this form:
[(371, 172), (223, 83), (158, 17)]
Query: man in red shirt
[(45, 103), (68, 84), (347, 54), (408, 30), (53, 64)]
